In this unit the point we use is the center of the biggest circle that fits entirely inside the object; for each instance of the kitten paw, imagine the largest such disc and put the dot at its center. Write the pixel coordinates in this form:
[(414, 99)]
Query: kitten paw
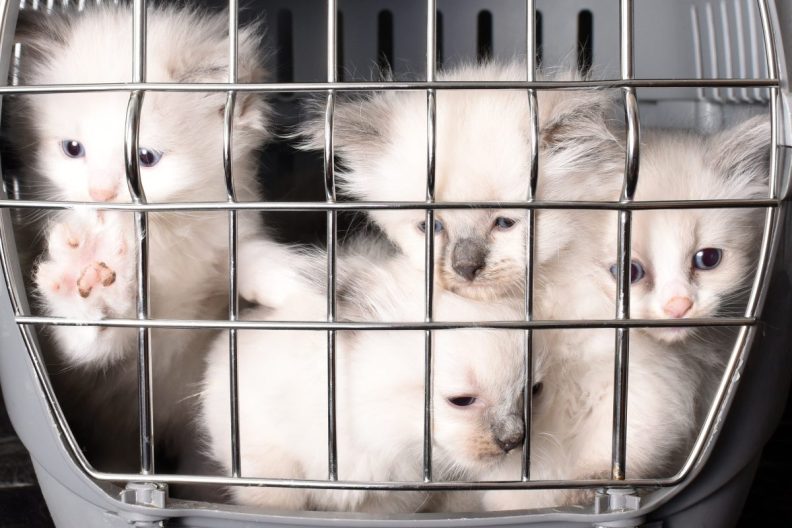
[(87, 268)]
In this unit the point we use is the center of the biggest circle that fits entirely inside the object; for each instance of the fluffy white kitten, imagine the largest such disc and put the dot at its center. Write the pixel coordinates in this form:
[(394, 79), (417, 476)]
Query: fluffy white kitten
[(88, 272), (483, 145), (380, 393), (573, 415), (687, 263)]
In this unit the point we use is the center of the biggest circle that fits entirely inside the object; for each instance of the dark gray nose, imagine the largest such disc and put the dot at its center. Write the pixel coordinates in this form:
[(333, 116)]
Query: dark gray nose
[(508, 431), (469, 257), (507, 444)]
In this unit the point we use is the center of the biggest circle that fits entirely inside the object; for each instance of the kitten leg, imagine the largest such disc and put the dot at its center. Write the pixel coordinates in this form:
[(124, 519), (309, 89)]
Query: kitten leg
[(89, 274), (269, 273), (270, 461)]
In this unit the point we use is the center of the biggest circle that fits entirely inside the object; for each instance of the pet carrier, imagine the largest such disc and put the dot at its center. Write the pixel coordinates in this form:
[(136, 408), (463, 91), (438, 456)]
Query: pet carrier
[(690, 63)]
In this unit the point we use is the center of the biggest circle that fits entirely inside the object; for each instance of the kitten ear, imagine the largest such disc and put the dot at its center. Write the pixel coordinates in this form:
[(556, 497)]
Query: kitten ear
[(39, 34), (360, 126), (251, 111), (742, 154)]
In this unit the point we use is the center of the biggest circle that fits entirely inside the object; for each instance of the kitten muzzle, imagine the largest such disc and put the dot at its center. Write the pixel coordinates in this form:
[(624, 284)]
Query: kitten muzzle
[(469, 257)]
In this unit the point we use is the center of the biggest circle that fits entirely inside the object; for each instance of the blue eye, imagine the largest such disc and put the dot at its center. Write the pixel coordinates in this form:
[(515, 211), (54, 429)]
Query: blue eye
[(462, 401), (73, 148), (149, 157), (637, 271), (438, 226), (707, 258), (504, 223)]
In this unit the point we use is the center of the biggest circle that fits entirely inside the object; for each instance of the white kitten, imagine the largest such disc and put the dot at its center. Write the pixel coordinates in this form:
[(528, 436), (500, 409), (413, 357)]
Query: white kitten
[(701, 259), (573, 415), (380, 393), (687, 263), (88, 272), (483, 154)]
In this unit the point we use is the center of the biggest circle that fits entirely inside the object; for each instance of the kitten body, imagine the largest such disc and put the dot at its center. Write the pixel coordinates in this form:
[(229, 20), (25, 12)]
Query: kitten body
[(380, 394), (89, 270)]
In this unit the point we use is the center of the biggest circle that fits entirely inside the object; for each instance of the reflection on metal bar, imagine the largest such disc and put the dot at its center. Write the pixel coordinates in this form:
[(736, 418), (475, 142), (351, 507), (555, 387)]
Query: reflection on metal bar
[(131, 147), (383, 86), (396, 206), (530, 241), (431, 143), (624, 251), (389, 485), (233, 297), (332, 239), (379, 325)]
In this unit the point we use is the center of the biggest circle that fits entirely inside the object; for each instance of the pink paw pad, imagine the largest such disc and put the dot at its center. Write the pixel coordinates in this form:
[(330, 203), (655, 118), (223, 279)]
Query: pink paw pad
[(94, 274)]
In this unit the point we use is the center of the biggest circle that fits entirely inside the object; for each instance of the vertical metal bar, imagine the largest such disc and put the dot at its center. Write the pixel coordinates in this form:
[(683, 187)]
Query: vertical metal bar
[(624, 251), (770, 213), (131, 147), (332, 224), (233, 297), (530, 46), (431, 143)]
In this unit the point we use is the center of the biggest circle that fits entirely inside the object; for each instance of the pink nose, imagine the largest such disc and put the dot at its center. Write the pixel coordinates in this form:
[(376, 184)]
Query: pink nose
[(102, 195), (677, 307)]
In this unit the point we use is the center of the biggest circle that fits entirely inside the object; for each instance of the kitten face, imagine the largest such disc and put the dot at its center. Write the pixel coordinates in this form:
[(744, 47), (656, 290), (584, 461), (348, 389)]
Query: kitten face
[(81, 135), (695, 263), (477, 396), (482, 154)]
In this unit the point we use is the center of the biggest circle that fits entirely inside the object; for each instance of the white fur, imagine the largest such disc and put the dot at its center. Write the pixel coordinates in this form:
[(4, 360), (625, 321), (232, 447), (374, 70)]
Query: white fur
[(674, 166), (188, 251), (283, 395), (482, 154)]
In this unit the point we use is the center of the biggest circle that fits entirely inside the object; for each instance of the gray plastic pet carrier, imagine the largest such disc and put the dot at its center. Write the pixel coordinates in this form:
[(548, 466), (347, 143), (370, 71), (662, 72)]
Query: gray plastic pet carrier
[(691, 63)]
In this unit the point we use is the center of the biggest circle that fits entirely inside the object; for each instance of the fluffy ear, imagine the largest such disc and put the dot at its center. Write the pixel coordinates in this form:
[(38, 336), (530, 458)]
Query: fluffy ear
[(742, 154), (38, 34), (251, 110), (574, 130), (360, 126)]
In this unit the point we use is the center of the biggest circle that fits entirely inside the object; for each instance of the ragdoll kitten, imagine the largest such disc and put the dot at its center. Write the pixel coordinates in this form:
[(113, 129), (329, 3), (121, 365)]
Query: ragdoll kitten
[(380, 394), (686, 263), (573, 418), (88, 272), (483, 154)]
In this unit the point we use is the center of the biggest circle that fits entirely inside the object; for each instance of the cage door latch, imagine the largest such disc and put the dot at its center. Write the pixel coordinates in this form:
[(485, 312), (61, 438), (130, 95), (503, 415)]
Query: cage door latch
[(616, 500), (149, 494)]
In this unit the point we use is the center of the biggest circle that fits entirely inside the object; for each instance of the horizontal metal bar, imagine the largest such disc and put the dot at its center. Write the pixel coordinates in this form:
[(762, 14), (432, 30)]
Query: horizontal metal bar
[(369, 206), (383, 485), (390, 85), (379, 325)]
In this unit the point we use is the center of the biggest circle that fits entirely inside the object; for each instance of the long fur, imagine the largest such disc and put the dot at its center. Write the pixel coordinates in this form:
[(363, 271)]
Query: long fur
[(89, 269), (482, 154), (380, 391)]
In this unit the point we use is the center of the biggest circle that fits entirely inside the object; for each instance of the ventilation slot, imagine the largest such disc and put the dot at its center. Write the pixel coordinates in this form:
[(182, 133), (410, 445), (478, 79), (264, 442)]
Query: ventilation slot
[(340, 46), (439, 36), (284, 60), (539, 50), (585, 43), (385, 40), (484, 36)]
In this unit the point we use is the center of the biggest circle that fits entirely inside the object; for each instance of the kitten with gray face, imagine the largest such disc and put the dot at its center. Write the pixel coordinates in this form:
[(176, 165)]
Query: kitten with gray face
[(686, 263), (88, 271), (482, 154), (477, 388)]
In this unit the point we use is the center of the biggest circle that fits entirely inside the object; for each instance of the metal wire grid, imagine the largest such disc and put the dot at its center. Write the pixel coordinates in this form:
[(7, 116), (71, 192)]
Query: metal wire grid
[(621, 323)]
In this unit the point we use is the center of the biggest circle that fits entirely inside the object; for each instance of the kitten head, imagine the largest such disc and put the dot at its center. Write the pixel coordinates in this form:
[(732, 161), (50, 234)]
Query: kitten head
[(478, 384), (695, 263), (81, 135), (482, 154)]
